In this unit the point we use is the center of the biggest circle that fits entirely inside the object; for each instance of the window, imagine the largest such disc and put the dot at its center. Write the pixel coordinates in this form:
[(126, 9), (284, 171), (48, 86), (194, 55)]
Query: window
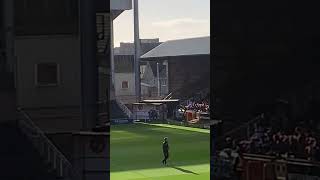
[(125, 85), (47, 74)]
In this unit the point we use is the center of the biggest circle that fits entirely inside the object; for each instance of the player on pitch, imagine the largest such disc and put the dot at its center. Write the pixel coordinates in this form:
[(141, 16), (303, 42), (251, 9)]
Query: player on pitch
[(165, 149)]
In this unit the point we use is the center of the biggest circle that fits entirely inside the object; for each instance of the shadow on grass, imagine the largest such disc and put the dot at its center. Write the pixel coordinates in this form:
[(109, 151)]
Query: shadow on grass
[(183, 170)]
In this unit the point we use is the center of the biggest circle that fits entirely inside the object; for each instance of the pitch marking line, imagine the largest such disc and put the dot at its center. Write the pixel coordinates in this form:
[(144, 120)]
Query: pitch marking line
[(178, 127)]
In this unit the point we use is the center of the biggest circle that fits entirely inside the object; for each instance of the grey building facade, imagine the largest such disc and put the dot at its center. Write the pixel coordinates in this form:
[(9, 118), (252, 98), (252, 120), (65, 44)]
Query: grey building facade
[(124, 69)]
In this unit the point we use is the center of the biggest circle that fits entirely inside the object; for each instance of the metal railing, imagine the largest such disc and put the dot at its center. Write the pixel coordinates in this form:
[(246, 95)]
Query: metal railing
[(169, 96), (57, 161), (243, 130)]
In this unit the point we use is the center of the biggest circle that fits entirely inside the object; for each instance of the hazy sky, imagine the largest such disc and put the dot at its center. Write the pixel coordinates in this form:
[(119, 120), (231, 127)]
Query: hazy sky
[(165, 19)]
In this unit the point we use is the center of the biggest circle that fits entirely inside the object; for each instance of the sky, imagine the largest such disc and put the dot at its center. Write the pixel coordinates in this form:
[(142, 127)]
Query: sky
[(165, 19)]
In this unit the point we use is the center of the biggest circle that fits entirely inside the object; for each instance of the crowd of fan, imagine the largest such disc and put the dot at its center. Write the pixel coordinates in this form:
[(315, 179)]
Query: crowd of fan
[(198, 106), (194, 104), (296, 143)]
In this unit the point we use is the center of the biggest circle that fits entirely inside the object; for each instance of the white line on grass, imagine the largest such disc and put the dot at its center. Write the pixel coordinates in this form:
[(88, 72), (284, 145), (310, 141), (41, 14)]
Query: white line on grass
[(178, 127)]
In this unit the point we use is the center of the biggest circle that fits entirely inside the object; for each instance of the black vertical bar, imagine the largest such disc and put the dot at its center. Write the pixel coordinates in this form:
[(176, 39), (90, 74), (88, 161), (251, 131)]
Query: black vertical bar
[(89, 65), (8, 8), (2, 38), (212, 149)]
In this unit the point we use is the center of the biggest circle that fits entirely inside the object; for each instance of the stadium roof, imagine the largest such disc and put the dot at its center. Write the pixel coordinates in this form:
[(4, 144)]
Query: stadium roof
[(121, 4), (118, 6), (181, 47)]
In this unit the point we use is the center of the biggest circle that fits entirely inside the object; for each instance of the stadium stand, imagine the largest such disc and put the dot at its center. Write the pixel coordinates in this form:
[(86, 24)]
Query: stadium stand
[(196, 107), (267, 145)]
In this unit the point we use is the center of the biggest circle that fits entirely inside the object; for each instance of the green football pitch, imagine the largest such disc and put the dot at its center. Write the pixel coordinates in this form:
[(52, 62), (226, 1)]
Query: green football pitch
[(136, 152)]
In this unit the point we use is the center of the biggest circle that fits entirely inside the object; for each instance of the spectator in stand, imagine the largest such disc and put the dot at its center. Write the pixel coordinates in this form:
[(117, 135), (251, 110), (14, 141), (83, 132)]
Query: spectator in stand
[(150, 114), (294, 144), (154, 114), (266, 143), (276, 144), (317, 153), (198, 105), (298, 142), (235, 146), (229, 143)]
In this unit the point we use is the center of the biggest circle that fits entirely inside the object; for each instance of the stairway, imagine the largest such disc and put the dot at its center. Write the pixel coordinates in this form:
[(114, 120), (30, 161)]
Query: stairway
[(19, 159), (115, 111)]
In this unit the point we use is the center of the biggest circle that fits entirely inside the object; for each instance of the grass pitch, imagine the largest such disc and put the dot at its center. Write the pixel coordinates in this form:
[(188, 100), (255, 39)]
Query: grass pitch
[(136, 152)]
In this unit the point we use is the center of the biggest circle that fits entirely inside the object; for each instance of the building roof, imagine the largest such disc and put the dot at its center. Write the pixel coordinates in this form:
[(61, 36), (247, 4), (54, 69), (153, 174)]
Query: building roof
[(181, 47), (124, 55), (121, 4), (145, 46), (118, 6)]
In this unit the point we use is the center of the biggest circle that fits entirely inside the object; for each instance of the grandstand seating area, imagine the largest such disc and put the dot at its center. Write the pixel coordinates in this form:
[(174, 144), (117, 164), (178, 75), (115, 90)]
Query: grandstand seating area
[(198, 106), (195, 109), (283, 132), (300, 141), (268, 141), (297, 143)]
